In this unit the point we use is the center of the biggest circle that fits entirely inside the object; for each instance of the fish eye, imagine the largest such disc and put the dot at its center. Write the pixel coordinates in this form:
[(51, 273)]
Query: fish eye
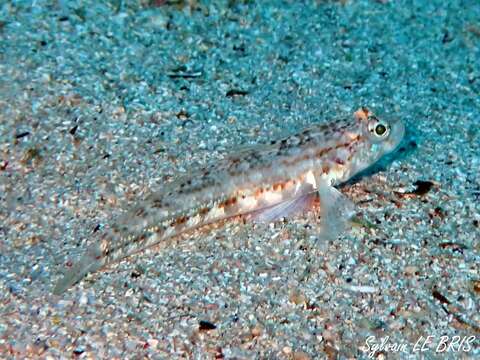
[(380, 129)]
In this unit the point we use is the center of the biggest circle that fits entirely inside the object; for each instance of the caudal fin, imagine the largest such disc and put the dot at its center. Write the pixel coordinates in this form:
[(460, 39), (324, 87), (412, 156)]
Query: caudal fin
[(91, 261)]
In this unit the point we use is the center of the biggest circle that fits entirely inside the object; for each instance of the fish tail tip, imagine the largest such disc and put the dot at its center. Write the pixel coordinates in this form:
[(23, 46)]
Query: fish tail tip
[(68, 280), (90, 262), (61, 286)]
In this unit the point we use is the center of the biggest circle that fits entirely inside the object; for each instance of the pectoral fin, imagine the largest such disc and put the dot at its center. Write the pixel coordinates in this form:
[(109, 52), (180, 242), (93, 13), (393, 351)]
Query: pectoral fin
[(336, 211), (301, 200), (285, 209)]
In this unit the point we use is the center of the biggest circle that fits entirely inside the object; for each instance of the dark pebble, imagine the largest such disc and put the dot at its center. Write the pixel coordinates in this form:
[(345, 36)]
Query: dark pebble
[(206, 325)]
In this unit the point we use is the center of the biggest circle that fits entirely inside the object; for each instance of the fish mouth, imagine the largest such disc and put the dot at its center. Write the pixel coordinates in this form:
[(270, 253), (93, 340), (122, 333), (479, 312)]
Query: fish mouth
[(396, 136)]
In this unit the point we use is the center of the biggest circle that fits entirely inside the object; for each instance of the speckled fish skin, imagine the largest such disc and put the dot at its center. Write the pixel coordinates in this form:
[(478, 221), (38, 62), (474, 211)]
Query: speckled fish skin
[(249, 181)]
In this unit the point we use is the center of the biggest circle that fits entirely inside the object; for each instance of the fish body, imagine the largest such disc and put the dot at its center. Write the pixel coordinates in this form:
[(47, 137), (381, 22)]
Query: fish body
[(264, 182)]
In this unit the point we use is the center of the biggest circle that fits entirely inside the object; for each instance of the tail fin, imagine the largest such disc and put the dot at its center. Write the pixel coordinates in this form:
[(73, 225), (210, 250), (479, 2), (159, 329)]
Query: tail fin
[(91, 261)]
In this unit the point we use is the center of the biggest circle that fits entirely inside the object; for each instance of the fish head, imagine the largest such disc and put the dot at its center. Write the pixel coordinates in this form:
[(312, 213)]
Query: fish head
[(375, 137), (386, 135)]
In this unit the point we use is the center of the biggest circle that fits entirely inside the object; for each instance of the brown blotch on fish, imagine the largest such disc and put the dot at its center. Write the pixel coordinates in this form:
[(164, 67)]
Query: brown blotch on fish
[(278, 186), (341, 145), (203, 211), (140, 238), (228, 202), (259, 192), (179, 221), (362, 114), (296, 160), (322, 152)]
